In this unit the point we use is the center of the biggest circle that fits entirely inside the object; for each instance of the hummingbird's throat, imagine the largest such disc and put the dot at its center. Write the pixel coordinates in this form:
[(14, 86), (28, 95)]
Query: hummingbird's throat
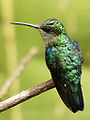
[(47, 37)]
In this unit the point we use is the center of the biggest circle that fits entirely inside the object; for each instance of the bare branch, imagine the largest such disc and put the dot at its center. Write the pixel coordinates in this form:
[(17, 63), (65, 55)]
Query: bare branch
[(18, 71), (25, 95)]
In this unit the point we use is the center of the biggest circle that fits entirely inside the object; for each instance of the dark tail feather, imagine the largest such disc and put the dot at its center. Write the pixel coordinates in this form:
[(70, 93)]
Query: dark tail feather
[(75, 99)]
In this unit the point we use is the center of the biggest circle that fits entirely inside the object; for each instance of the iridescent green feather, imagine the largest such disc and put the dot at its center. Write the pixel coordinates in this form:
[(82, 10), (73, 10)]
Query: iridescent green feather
[(68, 59)]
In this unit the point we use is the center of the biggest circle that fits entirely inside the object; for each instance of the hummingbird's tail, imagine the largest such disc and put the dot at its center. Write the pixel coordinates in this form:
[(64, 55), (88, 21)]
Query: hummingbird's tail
[(75, 99)]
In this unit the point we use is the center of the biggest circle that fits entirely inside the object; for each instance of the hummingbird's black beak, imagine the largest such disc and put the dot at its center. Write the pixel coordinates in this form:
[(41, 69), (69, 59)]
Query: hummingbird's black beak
[(26, 24)]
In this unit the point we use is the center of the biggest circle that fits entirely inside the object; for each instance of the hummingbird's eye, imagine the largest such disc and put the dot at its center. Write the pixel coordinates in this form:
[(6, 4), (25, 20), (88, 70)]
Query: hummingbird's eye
[(51, 23)]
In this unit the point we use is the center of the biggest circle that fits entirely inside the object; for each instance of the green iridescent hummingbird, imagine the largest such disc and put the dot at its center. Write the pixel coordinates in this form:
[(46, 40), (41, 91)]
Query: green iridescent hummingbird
[(64, 60)]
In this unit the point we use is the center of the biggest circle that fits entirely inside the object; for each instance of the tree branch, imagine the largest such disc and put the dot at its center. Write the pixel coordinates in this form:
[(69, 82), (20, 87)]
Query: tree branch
[(26, 94)]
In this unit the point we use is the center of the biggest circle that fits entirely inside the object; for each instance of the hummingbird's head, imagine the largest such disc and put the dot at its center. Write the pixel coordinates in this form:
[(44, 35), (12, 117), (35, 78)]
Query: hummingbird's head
[(53, 26), (49, 29)]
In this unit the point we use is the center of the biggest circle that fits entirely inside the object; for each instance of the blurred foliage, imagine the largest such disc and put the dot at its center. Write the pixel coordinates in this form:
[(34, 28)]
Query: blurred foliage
[(75, 17)]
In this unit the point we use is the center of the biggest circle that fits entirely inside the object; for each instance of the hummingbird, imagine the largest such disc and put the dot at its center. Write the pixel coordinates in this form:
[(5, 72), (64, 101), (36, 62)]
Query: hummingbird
[(64, 60)]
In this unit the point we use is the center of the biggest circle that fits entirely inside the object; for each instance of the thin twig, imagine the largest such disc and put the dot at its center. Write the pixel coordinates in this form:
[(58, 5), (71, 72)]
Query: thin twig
[(25, 95), (18, 71)]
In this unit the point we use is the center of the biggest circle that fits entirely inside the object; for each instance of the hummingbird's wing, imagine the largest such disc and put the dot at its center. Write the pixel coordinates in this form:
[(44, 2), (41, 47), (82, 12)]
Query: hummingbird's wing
[(78, 48), (59, 83)]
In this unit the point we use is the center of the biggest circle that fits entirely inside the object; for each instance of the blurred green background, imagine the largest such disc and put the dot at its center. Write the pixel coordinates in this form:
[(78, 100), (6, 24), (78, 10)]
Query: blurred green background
[(15, 42)]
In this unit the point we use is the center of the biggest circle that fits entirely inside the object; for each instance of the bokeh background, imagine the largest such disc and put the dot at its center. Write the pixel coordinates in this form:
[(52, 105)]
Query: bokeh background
[(15, 42)]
